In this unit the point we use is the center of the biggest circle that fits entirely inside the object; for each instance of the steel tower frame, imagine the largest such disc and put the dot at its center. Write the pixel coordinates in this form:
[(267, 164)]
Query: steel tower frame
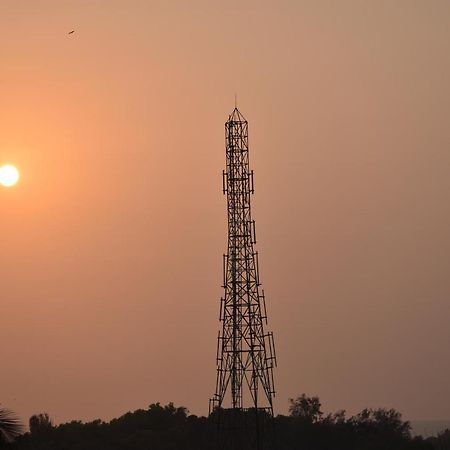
[(245, 351)]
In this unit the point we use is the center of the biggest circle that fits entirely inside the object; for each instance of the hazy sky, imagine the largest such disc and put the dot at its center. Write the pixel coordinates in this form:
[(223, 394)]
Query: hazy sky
[(111, 245)]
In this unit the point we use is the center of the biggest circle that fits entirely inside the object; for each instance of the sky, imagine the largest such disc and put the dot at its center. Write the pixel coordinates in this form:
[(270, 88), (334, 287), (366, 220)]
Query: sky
[(111, 244)]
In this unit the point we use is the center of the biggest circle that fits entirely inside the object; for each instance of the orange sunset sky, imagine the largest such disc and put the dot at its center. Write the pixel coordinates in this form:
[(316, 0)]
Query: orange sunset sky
[(111, 243)]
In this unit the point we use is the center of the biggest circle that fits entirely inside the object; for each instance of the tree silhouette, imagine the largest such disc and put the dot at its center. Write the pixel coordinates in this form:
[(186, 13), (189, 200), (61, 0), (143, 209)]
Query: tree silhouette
[(306, 408), (442, 440), (169, 427), (40, 424), (10, 426), (382, 420)]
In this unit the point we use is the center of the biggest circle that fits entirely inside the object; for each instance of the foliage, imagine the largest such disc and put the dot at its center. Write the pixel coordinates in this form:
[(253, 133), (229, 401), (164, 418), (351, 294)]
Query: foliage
[(172, 428), (306, 408), (10, 426), (441, 441), (40, 424)]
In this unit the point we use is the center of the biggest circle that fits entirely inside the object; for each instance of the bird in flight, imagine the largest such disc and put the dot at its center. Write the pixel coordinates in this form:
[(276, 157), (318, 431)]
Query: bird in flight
[(71, 32)]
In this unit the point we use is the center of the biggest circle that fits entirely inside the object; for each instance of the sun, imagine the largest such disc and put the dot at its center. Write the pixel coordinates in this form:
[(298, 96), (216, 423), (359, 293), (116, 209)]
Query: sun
[(9, 175)]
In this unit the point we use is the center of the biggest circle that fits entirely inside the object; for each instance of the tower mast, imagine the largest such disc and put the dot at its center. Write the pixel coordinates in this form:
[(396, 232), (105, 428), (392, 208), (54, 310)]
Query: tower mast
[(242, 404)]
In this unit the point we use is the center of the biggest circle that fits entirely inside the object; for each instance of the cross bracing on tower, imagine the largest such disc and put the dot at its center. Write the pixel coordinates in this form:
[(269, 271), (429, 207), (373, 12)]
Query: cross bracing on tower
[(243, 402)]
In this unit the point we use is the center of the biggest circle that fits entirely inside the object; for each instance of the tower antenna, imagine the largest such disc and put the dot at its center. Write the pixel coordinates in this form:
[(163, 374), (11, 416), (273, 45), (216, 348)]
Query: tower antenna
[(242, 406)]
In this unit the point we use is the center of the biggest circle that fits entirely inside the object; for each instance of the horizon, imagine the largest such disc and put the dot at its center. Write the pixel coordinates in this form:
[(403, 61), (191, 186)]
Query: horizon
[(425, 428)]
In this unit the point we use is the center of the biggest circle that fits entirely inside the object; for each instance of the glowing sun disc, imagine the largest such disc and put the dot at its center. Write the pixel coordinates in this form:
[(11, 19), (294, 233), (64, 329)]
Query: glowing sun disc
[(9, 175)]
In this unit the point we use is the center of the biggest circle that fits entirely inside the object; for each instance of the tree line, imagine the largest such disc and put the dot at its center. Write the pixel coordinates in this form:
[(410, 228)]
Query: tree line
[(168, 427)]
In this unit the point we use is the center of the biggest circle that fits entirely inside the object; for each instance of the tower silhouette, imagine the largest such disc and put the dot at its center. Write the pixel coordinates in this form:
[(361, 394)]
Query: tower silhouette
[(242, 405)]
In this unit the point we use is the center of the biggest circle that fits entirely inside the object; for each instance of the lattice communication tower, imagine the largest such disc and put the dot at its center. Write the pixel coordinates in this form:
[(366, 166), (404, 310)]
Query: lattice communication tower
[(242, 405)]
